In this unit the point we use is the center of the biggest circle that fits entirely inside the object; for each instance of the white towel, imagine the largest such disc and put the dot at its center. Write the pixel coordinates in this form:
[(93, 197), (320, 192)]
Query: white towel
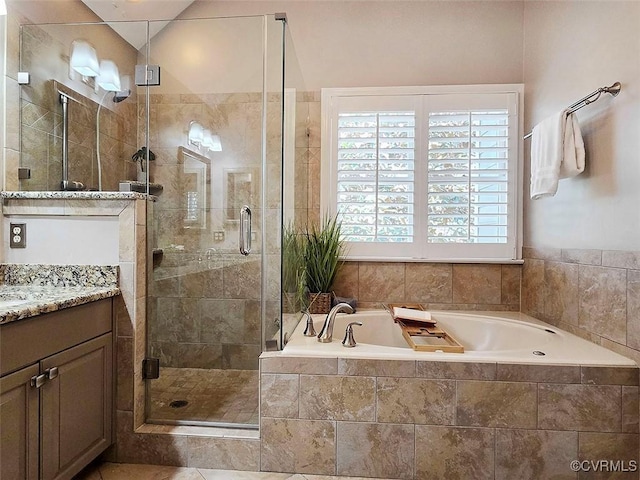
[(557, 151)]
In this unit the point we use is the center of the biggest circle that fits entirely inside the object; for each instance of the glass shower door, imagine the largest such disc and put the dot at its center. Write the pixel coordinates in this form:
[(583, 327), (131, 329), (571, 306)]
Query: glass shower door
[(207, 301)]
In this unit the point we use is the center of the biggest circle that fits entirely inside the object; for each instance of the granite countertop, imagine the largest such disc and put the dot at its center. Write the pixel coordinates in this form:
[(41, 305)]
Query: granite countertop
[(30, 290), (80, 195)]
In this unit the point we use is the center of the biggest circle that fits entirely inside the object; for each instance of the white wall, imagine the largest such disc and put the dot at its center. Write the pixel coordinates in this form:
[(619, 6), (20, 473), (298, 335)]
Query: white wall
[(70, 240), (386, 43), (572, 48)]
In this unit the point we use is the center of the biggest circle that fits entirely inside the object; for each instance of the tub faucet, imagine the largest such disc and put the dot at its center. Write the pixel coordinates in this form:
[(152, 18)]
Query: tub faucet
[(326, 334)]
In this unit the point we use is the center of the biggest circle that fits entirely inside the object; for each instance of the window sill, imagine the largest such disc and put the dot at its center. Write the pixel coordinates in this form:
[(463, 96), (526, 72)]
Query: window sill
[(498, 261)]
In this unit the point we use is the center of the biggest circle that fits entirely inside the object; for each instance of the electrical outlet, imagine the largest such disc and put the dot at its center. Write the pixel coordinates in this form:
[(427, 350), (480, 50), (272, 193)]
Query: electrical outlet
[(18, 235)]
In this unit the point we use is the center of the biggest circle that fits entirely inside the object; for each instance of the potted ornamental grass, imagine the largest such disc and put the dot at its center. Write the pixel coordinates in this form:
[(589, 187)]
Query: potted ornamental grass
[(322, 252), (293, 269)]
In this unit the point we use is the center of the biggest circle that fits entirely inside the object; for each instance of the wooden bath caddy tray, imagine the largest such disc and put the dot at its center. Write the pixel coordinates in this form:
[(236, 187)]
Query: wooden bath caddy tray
[(426, 338)]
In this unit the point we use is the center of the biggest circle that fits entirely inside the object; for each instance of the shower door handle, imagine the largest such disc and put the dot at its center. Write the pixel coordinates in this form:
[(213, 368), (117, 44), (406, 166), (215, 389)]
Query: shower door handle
[(245, 230)]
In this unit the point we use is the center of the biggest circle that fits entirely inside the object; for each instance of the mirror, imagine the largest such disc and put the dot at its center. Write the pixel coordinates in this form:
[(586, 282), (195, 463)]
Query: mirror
[(240, 190), (196, 177)]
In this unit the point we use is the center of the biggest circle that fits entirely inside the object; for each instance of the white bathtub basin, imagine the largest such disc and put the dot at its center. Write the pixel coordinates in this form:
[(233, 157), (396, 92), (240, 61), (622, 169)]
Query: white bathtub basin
[(486, 336)]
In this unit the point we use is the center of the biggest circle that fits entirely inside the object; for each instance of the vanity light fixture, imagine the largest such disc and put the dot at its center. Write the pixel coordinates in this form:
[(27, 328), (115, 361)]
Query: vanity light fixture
[(84, 59), (211, 142), (109, 78), (196, 133)]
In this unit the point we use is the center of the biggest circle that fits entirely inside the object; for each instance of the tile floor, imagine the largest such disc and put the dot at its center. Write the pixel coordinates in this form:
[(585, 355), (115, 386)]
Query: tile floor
[(228, 396), (125, 471)]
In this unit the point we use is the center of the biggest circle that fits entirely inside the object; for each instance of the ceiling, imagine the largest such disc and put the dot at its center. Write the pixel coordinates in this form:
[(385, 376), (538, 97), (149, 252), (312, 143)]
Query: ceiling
[(137, 10)]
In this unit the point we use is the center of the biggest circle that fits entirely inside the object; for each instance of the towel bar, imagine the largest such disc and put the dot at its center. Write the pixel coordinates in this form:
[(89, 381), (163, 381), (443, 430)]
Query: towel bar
[(613, 90)]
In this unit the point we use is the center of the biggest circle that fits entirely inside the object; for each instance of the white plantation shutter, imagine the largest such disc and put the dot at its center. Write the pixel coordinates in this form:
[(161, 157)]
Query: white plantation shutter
[(423, 174), (376, 176), (468, 166)]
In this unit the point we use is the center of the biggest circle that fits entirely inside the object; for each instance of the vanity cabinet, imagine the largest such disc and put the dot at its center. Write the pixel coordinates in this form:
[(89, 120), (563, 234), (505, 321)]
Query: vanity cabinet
[(56, 411)]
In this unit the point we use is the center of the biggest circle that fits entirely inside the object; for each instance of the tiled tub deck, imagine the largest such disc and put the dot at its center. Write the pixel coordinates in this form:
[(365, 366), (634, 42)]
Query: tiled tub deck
[(445, 420)]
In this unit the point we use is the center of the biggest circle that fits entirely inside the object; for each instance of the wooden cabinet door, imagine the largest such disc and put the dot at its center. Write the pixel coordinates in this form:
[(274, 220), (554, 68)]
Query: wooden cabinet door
[(19, 425), (76, 407)]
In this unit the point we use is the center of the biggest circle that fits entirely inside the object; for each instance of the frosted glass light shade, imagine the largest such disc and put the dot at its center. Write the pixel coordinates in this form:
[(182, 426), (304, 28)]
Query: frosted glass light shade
[(3, 7), (84, 59), (109, 78), (196, 133), (212, 142)]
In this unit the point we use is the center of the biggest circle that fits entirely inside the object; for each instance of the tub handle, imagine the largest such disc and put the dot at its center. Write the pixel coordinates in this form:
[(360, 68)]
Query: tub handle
[(349, 341), (309, 331)]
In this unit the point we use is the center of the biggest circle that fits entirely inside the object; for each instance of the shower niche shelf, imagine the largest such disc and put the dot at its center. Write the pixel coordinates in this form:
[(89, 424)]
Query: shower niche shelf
[(141, 187)]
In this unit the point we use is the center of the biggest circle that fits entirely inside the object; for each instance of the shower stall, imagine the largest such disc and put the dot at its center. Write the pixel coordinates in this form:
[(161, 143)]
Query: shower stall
[(210, 131)]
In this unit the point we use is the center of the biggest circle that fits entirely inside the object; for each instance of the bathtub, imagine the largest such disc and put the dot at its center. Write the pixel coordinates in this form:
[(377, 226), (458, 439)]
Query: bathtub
[(486, 336)]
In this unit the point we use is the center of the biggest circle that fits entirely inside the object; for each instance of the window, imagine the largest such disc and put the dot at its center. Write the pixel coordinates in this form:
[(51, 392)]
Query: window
[(428, 173)]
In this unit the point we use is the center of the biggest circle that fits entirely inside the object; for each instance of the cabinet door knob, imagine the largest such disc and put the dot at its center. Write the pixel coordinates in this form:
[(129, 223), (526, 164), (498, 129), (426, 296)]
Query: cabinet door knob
[(51, 372), (38, 380)]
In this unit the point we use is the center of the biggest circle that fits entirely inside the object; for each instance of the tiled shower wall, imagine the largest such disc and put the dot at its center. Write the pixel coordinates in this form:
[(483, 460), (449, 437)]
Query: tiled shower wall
[(592, 293), (205, 309), (41, 128)]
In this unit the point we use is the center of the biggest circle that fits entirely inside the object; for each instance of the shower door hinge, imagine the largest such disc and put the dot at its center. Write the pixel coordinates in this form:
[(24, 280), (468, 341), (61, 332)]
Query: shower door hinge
[(151, 368), (147, 75)]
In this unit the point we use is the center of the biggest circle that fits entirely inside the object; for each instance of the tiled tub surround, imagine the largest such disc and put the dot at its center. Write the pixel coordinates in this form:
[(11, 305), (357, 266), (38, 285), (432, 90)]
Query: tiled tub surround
[(29, 290), (443, 420), (592, 293), (439, 286)]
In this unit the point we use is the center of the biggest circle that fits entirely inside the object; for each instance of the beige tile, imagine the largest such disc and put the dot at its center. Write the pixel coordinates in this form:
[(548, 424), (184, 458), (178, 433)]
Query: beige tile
[(148, 448), (124, 373), (279, 395), (496, 404), (119, 471), (633, 309), (609, 446), (428, 282), (381, 282), (454, 453), (364, 449), (346, 282), (456, 370), (311, 366), (303, 446), (582, 256), (337, 398), (603, 301), (610, 375), (533, 288), (218, 474), (416, 400), (579, 407), (545, 253), (376, 368), (621, 259), (511, 284), (538, 373), (535, 454), (225, 453), (630, 409), (561, 292), (477, 283)]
